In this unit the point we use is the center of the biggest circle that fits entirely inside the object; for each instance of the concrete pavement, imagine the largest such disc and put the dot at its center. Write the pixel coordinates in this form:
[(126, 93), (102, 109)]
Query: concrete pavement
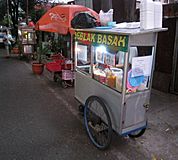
[(40, 121)]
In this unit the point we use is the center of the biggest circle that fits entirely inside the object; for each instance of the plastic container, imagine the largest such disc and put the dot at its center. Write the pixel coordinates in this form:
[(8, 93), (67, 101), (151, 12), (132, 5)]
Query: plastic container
[(146, 14), (53, 67), (111, 81), (158, 14), (146, 20), (119, 82), (147, 5), (119, 75), (112, 23)]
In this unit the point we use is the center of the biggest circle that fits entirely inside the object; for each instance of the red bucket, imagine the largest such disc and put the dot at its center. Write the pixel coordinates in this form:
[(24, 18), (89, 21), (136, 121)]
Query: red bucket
[(53, 67)]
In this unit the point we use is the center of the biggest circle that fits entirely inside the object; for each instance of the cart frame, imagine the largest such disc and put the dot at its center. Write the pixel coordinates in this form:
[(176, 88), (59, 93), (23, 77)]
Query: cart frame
[(62, 72), (127, 111)]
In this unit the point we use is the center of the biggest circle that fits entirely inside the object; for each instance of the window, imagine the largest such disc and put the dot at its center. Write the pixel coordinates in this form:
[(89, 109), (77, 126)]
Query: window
[(139, 71), (83, 58), (106, 67)]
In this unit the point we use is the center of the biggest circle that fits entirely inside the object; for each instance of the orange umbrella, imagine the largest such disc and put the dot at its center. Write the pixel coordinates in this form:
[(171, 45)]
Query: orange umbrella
[(58, 19)]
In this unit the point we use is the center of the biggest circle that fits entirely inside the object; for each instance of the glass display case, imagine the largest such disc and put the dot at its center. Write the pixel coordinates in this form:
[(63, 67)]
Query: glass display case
[(105, 62), (27, 36)]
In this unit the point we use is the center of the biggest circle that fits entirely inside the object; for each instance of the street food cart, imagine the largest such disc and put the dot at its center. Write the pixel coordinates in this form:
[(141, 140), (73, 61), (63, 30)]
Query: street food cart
[(28, 40), (114, 71)]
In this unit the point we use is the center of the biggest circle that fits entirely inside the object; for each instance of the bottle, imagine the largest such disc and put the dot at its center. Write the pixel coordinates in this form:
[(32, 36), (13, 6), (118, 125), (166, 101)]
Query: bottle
[(111, 80), (119, 77)]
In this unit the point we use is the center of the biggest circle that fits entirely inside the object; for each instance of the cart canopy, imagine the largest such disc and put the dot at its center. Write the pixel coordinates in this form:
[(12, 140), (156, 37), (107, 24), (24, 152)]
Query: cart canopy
[(58, 19)]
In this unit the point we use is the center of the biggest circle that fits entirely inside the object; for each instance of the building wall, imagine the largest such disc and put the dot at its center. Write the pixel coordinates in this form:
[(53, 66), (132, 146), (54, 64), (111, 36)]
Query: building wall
[(124, 10), (164, 54), (104, 5), (87, 3)]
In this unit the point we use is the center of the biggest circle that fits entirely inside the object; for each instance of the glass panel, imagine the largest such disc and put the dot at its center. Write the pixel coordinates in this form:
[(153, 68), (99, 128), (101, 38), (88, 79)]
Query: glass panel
[(107, 66), (24, 37), (139, 69), (107, 53), (28, 37), (28, 49), (83, 58)]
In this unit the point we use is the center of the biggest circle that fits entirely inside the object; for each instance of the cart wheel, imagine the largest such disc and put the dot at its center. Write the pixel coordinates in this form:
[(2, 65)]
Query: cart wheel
[(64, 84), (55, 77), (97, 122), (137, 134), (81, 108)]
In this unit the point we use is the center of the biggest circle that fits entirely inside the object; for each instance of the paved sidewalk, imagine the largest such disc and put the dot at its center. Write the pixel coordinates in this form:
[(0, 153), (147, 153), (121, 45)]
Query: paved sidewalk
[(40, 121), (161, 138)]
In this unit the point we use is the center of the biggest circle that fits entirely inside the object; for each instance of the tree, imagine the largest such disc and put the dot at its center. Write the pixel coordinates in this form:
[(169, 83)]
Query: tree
[(36, 8), (26, 5), (14, 12), (3, 11), (7, 20)]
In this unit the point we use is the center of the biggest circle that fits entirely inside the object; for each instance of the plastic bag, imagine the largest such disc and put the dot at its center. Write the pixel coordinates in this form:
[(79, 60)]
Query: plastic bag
[(83, 20), (106, 17)]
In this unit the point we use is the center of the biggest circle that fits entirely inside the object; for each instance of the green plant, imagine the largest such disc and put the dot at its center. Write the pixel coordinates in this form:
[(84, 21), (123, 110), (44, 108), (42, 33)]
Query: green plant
[(41, 53)]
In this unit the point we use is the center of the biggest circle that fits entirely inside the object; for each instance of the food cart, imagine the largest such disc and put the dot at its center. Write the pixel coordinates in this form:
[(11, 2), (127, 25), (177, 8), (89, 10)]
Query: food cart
[(28, 40), (62, 70), (114, 71)]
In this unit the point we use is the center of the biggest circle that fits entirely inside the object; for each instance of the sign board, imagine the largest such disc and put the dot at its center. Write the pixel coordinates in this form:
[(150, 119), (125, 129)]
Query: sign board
[(120, 41)]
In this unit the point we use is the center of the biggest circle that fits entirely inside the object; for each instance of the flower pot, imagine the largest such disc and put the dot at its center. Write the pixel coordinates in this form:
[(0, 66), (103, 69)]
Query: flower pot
[(37, 68)]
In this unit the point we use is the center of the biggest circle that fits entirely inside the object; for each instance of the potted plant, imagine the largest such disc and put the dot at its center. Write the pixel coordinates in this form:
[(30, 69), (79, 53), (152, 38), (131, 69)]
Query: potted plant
[(38, 65)]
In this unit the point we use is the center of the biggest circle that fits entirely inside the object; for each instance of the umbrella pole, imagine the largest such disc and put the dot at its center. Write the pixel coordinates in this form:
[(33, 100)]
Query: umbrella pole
[(72, 54), (71, 46)]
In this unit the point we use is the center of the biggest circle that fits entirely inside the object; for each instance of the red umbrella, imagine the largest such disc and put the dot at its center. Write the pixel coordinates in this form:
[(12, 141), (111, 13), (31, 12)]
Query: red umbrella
[(58, 19), (31, 24)]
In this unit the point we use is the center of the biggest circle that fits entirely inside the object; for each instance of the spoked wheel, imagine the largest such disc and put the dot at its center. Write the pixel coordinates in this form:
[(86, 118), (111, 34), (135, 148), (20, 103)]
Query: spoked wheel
[(67, 83), (55, 77), (97, 122), (64, 84), (137, 134), (81, 108)]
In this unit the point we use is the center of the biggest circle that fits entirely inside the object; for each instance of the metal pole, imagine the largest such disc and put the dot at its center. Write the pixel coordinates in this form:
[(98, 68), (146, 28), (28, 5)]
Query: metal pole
[(8, 21)]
